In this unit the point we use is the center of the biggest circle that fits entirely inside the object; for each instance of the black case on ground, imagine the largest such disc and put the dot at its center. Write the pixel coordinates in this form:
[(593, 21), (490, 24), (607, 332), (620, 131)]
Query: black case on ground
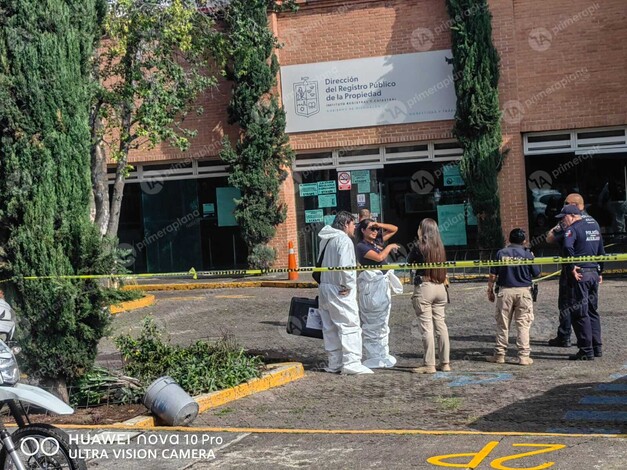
[(297, 319)]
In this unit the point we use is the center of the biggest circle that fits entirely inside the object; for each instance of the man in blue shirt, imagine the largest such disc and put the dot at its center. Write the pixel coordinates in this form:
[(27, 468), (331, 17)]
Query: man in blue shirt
[(582, 237), (513, 298)]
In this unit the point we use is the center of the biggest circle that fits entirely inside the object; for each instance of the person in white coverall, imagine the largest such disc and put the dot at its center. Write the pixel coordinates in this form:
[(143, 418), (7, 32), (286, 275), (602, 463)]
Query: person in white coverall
[(373, 291), (338, 298)]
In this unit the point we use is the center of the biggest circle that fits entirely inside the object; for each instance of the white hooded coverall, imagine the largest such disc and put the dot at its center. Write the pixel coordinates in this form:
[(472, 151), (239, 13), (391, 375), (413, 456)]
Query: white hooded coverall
[(339, 313), (375, 303)]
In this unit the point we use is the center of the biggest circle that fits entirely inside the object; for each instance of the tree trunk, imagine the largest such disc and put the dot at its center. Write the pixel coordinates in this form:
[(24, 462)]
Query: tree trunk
[(99, 202), (100, 187), (116, 199), (120, 170), (58, 387)]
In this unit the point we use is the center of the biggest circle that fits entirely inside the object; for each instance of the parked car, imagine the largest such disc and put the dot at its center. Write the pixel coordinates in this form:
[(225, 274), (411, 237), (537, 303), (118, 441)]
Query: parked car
[(546, 204)]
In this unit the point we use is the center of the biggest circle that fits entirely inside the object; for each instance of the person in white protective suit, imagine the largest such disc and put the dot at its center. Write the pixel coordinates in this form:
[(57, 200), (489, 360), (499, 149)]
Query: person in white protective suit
[(373, 292), (338, 298)]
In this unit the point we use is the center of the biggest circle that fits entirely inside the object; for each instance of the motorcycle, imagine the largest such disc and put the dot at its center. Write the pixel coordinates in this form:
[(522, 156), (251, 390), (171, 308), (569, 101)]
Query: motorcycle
[(32, 445)]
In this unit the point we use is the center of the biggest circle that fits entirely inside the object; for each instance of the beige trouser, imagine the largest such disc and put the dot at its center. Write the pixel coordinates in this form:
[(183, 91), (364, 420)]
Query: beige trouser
[(513, 303), (429, 300)]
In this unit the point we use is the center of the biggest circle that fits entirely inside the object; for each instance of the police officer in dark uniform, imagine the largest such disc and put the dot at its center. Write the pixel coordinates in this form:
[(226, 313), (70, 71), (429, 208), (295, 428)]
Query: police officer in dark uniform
[(566, 281), (514, 300), (582, 237), (565, 295)]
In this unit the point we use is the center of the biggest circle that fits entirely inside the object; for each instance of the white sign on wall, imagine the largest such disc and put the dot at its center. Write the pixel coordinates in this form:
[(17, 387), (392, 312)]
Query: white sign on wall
[(373, 91), (344, 181)]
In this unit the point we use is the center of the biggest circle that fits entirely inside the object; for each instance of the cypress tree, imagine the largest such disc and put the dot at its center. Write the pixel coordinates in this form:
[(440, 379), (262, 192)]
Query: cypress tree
[(262, 152), (477, 119), (45, 51)]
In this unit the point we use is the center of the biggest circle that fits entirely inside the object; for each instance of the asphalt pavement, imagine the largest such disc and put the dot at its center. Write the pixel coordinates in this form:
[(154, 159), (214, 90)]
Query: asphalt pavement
[(573, 414), (165, 450)]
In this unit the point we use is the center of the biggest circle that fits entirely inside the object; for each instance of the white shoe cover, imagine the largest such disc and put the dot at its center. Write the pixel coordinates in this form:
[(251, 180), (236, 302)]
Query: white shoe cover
[(376, 363), (356, 369)]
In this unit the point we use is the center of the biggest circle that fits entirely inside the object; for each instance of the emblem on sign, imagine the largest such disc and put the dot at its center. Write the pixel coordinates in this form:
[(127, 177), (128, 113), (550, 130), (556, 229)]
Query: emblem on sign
[(307, 101)]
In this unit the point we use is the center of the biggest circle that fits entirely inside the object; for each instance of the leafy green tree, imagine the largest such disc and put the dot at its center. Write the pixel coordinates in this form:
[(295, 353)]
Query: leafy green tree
[(261, 154), (45, 230), (155, 59), (477, 120)]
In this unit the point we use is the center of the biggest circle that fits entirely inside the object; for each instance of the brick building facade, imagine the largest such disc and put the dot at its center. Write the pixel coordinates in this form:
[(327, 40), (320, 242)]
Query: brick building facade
[(561, 92)]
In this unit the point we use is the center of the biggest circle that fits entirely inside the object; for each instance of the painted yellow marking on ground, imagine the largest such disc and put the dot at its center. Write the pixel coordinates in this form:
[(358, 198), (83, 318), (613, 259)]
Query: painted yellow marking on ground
[(474, 463), (479, 457), (341, 431), (145, 301), (498, 463), (234, 296)]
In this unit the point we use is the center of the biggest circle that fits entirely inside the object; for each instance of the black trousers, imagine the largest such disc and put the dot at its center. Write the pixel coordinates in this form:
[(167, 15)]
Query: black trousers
[(585, 314), (564, 304)]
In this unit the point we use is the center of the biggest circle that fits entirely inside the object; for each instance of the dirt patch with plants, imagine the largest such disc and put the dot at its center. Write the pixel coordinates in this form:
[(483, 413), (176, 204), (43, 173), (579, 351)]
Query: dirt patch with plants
[(108, 396), (104, 415)]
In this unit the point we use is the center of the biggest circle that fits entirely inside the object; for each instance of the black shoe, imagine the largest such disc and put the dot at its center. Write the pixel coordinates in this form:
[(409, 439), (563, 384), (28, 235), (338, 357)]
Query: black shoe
[(559, 342), (581, 356), (598, 352)]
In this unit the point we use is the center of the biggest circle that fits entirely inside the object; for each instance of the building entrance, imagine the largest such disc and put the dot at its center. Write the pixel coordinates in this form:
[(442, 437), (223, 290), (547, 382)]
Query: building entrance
[(400, 194)]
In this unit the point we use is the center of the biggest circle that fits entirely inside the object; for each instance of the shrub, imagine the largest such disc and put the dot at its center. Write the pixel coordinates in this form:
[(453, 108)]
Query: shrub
[(199, 368), (117, 296), (261, 257), (102, 386)]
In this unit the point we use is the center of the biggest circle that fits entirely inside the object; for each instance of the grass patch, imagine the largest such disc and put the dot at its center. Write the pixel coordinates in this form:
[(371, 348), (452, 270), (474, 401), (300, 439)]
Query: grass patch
[(449, 403), (117, 296)]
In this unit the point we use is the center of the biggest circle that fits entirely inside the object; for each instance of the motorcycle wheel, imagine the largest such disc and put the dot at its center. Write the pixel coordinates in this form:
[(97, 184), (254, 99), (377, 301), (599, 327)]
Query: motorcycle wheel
[(46, 454)]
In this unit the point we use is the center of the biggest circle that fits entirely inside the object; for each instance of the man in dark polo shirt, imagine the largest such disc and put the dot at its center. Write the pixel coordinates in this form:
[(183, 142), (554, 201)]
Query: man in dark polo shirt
[(582, 237), (513, 298)]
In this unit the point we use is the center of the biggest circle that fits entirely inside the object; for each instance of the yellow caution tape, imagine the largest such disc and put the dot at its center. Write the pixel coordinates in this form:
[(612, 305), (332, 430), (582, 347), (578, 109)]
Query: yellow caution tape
[(398, 267)]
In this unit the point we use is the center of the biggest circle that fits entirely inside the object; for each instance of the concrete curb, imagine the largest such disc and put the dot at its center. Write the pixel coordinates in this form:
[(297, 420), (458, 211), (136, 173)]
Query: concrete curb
[(290, 284), (280, 374), (145, 301)]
